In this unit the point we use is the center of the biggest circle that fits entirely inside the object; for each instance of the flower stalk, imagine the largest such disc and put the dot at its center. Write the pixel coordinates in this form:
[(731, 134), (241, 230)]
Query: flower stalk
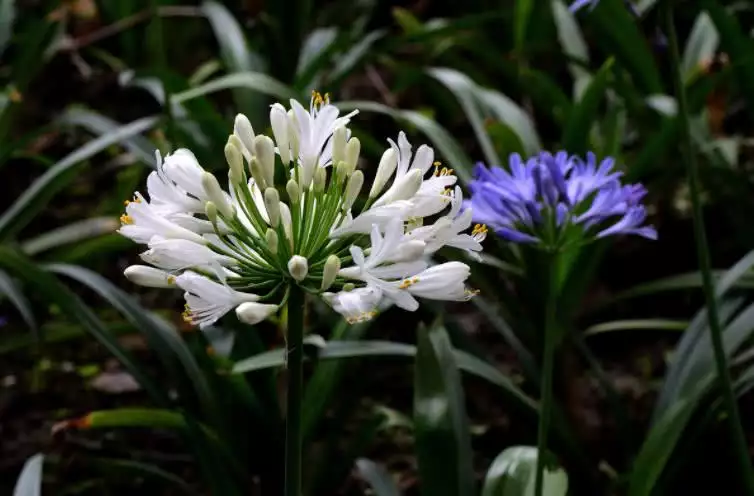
[(294, 393), (737, 436)]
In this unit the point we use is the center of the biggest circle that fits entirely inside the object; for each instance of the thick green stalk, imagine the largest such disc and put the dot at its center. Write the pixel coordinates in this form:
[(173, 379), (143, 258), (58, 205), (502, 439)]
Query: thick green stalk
[(294, 345), (548, 359), (723, 374)]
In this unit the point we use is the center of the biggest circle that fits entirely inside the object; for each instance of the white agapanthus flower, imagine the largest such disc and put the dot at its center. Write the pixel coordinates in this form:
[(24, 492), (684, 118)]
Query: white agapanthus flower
[(291, 216)]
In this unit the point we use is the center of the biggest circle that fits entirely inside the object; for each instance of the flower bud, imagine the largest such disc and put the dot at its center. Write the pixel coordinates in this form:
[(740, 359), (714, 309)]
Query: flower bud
[(353, 148), (343, 172), (353, 188), (216, 195), (272, 202), (256, 172), (279, 123), (332, 266), (298, 266), (271, 237), (294, 192), (385, 170), (349, 286), (243, 130), (285, 219), (234, 158), (339, 144), (253, 313), (264, 151), (150, 277), (210, 209), (320, 178)]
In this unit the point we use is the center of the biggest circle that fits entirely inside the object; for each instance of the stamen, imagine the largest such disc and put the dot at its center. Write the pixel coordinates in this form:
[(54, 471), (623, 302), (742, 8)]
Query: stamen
[(126, 219), (407, 283), (470, 293)]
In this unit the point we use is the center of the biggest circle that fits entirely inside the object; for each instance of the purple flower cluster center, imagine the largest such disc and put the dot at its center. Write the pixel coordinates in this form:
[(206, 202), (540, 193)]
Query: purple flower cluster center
[(542, 199)]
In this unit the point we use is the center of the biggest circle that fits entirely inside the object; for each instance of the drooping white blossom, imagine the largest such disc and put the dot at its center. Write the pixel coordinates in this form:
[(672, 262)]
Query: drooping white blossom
[(241, 249)]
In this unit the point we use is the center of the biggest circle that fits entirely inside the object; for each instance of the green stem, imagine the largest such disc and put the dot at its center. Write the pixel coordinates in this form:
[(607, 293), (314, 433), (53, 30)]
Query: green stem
[(723, 373), (548, 359), (295, 345)]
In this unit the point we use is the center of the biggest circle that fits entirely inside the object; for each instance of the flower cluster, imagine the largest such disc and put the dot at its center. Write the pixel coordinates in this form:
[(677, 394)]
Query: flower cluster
[(289, 216), (554, 200)]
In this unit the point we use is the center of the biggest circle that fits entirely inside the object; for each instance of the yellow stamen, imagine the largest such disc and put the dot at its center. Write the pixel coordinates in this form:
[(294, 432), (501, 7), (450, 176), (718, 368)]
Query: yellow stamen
[(407, 283), (126, 219), (479, 229), (171, 279)]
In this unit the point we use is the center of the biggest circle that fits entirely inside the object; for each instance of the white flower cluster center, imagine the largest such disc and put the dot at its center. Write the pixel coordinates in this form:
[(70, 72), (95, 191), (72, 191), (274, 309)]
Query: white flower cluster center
[(290, 216)]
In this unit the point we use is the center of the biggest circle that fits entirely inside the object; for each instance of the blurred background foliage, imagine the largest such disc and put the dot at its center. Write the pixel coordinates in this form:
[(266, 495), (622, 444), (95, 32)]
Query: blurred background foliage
[(100, 396)]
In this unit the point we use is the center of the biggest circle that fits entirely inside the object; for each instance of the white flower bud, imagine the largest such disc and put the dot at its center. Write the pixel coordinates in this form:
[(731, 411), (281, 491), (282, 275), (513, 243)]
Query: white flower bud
[(385, 170), (298, 266), (332, 266), (339, 144), (253, 313), (216, 195), (294, 192), (256, 172), (210, 209), (353, 188), (285, 218), (234, 158), (320, 178), (271, 237), (353, 148), (150, 277), (264, 151), (242, 128), (272, 203), (343, 172), (279, 123)]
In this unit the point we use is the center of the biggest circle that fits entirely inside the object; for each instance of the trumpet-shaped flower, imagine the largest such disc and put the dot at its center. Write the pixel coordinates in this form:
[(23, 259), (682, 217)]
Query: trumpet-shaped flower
[(245, 247), (552, 200)]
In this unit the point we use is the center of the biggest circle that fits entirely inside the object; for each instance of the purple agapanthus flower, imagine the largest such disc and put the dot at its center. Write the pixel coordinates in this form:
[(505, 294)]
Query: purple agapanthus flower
[(556, 199)]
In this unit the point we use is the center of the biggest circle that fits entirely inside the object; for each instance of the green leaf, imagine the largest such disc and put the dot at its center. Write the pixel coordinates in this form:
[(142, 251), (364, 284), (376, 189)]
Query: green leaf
[(29, 483), (523, 11), (513, 471), (465, 90), (443, 445), (636, 324), (619, 34), (700, 47), (98, 124), (658, 447), (584, 114), (48, 287), (571, 40), (442, 140), (163, 338), (7, 18), (70, 233), (256, 81), (346, 63), (35, 198), (235, 53), (315, 52), (377, 477), (11, 290)]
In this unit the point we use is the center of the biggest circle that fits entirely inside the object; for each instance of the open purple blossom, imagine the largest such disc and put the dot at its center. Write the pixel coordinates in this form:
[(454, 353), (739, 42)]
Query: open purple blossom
[(552, 200)]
